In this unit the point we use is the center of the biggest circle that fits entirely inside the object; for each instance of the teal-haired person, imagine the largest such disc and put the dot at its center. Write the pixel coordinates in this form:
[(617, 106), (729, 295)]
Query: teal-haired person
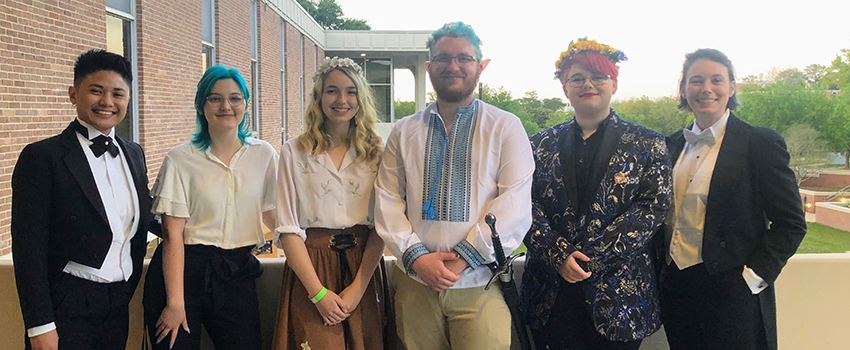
[(213, 194), (443, 169)]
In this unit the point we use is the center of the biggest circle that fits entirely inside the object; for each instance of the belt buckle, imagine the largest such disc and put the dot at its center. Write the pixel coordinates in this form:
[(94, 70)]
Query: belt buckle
[(342, 241)]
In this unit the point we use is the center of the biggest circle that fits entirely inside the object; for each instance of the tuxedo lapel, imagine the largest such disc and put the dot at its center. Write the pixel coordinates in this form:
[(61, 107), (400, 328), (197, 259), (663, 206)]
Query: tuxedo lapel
[(675, 145), (133, 162), (567, 158), (731, 160), (79, 168)]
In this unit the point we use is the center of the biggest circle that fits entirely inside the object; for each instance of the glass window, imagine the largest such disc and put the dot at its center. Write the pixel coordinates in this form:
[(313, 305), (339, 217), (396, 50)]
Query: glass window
[(255, 107), (207, 56), (120, 5), (208, 21), (378, 71), (382, 102), (118, 41)]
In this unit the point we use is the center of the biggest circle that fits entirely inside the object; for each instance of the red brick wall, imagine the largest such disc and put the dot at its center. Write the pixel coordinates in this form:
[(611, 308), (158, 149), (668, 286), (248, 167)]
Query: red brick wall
[(39, 42), (834, 216), (169, 42), (233, 37), (269, 61), (827, 181), (293, 81)]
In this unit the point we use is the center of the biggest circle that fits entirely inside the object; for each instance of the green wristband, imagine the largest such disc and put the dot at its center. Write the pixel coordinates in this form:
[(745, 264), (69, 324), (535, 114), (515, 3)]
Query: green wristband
[(316, 299)]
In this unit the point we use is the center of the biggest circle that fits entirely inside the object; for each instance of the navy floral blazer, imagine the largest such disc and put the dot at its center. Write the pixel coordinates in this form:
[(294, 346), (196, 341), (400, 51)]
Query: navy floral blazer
[(634, 192)]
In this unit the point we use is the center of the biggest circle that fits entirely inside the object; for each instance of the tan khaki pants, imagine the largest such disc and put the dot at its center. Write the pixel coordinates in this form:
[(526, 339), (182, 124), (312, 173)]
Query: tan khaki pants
[(460, 319)]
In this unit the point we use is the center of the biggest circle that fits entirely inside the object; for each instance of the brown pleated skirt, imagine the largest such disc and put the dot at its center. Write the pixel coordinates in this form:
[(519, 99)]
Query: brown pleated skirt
[(299, 323)]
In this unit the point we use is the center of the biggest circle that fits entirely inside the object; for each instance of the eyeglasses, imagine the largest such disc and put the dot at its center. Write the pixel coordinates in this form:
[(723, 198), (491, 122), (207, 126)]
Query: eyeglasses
[(462, 59), (215, 100), (596, 80)]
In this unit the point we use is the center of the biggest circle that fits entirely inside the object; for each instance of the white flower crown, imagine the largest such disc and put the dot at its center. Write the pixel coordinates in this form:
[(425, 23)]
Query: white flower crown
[(336, 62)]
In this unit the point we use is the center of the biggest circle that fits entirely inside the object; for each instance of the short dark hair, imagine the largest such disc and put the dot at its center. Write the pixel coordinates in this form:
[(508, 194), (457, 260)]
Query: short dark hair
[(97, 60), (711, 55)]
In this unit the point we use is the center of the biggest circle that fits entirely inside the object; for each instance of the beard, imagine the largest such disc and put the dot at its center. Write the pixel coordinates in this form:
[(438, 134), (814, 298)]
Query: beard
[(454, 94)]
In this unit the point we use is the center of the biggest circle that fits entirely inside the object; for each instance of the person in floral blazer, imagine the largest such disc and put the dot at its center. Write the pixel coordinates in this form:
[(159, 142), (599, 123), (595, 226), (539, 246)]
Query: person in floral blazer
[(601, 188)]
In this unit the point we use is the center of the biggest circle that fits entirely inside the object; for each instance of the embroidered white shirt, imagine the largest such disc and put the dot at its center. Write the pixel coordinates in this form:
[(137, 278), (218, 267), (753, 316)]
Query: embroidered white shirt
[(488, 173), (313, 193), (223, 204)]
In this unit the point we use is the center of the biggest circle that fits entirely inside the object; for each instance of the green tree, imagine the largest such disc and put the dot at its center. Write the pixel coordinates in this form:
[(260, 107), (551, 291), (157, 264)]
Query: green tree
[(838, 73), (404, 108), (808, 150), (659, 114), (502, 99), (329, 14), (791, 76), (814, 73), (779, 106), (837, 126)]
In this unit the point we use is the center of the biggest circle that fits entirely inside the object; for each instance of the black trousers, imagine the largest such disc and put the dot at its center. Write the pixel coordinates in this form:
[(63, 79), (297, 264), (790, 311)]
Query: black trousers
[(570, 326), (702, 311), (219, 294), (90, 315)]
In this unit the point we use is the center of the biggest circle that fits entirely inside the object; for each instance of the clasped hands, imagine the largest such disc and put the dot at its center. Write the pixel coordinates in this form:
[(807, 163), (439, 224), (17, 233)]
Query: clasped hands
[(335, 308), (571, 271), (440, 271)]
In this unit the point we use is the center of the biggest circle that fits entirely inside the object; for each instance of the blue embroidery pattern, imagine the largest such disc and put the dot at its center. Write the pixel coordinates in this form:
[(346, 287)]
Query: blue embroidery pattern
[(452, 189)]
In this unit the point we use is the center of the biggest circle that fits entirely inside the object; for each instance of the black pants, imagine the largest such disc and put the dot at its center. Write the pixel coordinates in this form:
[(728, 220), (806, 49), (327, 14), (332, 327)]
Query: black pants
[(90, 315), (702, 311), (570, 326), (219, 293)]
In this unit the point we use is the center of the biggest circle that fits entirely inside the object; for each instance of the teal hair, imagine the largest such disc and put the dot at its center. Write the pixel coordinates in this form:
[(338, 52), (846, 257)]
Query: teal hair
[(201, 138), (455, 30)]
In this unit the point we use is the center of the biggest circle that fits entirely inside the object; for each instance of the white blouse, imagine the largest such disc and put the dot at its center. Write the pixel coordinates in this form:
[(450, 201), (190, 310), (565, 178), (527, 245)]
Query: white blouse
[(313, 193), (223, 204)]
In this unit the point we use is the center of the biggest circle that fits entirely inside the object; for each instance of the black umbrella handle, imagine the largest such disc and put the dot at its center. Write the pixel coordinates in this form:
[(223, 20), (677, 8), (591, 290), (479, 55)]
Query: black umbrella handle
[(490, 219)]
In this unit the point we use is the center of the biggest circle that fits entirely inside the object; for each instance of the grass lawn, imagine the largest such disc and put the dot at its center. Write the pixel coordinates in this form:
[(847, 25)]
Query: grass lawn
[(824, 239), (819, 239)]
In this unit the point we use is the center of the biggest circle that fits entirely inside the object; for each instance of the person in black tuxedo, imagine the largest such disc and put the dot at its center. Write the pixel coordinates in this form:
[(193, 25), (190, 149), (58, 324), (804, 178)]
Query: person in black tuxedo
[(737, 218), (80, 212)]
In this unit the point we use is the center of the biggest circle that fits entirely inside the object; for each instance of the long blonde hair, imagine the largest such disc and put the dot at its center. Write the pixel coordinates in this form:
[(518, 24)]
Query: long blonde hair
[(361, 131)]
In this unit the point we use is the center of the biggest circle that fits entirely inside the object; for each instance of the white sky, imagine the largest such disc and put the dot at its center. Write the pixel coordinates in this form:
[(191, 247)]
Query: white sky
[(524, 38)]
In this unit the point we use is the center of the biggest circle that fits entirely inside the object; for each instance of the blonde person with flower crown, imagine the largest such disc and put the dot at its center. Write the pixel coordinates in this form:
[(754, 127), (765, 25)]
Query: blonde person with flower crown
[(333, 290), (601, 187)]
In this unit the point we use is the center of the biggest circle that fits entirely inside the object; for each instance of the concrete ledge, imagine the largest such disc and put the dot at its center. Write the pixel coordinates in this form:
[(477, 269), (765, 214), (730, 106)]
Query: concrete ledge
[(811, 292)]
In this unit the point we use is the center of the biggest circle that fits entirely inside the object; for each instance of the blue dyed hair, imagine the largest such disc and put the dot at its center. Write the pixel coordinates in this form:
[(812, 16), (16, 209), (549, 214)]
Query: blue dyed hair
[(455, 30), (201, 138)]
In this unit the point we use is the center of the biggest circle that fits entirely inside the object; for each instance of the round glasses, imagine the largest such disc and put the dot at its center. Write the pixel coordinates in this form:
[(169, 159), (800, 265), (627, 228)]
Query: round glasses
[(596, 80), (462, 59), (216, 101)]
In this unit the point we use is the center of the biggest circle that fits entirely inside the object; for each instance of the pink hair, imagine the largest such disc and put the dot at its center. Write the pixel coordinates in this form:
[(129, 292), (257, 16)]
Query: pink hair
[(592, 61)]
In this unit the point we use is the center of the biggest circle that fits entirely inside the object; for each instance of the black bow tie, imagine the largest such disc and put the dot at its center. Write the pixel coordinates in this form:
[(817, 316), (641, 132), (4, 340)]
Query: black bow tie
[(100, 144)]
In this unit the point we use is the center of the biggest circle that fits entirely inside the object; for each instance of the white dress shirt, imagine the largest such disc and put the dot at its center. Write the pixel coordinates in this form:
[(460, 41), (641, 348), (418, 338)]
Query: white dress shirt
[(223, 204), (487, 168), (691, 181), (114, 183), (313, 193)]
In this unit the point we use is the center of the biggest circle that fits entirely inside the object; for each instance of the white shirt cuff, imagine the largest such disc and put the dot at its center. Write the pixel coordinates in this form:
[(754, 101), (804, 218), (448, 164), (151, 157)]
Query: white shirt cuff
[(39, 330), (756, 283)]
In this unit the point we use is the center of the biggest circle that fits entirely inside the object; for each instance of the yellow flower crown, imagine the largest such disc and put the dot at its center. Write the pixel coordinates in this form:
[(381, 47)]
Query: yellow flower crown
[(582, 44)]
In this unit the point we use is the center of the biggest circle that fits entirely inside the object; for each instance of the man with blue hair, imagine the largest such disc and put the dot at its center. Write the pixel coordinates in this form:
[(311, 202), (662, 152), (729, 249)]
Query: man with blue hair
[(443, 169)]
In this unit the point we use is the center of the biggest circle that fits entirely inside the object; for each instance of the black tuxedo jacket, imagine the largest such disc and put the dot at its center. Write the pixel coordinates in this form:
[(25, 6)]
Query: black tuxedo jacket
[(58, 215), (754, 215)]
